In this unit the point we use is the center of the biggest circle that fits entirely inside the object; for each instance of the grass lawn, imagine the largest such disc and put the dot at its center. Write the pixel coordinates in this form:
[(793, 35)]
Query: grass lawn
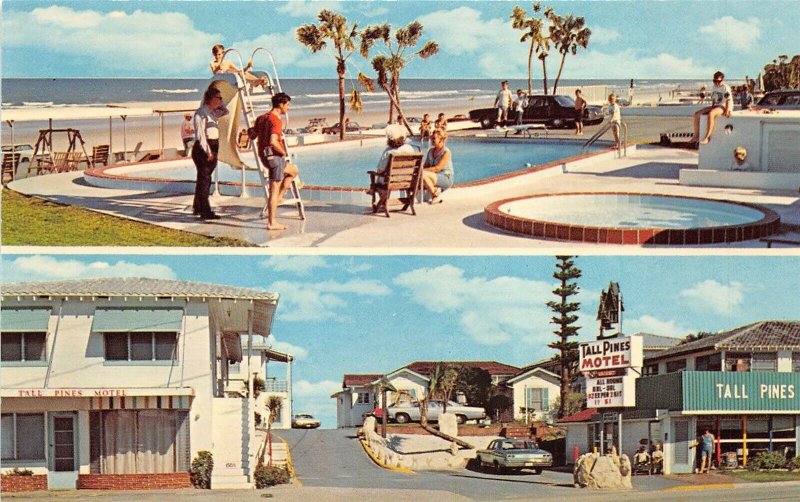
[(28, 221), (765, 476)]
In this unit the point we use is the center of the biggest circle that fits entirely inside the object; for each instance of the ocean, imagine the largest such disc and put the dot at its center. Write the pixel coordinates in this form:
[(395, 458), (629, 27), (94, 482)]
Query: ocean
[(306, 93)]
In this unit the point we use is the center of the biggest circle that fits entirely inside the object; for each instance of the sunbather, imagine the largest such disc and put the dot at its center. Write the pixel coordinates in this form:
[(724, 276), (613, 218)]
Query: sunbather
[(220, 66)]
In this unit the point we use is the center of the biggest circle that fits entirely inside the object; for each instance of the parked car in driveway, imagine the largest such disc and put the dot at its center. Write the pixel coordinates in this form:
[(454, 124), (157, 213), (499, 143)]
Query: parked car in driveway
[(304, 421), (553, 111), (25, 151), (351, 127), (514, 454), (403, 414), (784, 99)]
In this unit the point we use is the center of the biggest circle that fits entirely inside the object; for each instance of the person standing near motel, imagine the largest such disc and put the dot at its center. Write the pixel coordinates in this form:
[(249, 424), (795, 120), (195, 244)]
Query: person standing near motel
[(205, 149), (187, 133), (721, 104), (503, 103), (580, 106), (706, 450), (273, 155)]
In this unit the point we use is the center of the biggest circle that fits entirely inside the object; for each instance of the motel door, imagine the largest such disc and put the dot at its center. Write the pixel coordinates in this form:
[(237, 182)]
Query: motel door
[(681, 457), (62, 461)]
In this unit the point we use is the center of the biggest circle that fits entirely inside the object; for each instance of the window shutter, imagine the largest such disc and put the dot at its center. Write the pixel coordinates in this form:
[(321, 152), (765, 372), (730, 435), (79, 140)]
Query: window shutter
[(182, 444), (528, 398), (95, 441), (545, 399)]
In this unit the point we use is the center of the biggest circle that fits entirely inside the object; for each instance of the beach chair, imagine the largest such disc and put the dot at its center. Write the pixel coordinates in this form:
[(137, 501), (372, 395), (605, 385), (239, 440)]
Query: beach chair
[(10, 164), (403, 173), (99, 155), (54, 164)]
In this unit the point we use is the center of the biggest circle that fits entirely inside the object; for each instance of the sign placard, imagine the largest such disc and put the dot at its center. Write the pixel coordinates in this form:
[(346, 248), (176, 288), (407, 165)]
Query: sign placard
[(611, 392), (623, 352)]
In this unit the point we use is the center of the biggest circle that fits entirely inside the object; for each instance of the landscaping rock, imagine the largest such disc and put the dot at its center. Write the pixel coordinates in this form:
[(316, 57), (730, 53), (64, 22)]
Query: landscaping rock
[(448, 424), (608, 472)]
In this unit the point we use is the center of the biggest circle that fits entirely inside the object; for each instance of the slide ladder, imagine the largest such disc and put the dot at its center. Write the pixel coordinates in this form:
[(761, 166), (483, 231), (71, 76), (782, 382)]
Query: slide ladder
[(248, 111), (622, 150)]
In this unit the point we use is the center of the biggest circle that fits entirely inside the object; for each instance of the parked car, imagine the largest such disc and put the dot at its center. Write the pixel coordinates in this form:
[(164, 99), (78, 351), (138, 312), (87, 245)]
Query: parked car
[(785, 99), (304, 421), (25, 151), (402, 414), (351, 127), (514, 454), (554, 111)]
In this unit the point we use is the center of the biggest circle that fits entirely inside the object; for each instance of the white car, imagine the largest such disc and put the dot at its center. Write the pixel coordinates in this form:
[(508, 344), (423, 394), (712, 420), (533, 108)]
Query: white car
[(403, 414), (304, 421), (25, 151)]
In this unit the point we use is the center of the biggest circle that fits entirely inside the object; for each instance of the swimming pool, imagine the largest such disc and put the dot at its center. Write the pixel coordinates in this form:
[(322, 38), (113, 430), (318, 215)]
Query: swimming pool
[(345, 165), (626, 218)]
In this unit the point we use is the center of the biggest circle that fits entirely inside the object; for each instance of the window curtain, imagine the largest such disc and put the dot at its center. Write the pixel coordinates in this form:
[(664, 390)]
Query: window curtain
[(119, 442), (156, 442), (7, 432), (143, 441)]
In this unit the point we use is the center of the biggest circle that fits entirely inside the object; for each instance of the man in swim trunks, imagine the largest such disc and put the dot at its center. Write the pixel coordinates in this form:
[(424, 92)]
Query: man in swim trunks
[(580, 106), (721, 104), (503, 103), (706, 450)]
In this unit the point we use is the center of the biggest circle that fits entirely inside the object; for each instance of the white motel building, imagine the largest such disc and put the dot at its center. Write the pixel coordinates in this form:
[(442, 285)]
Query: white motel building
[(105, 380)]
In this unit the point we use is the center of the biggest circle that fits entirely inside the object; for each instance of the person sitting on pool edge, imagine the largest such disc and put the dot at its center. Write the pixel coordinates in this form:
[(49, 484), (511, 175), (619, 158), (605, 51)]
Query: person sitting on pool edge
[(220, 66), (721, 104), (437, 175), (395, 143)]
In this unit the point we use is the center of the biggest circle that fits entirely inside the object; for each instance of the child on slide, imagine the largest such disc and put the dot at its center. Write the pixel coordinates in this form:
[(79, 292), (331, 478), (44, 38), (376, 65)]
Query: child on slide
[(220, 66)]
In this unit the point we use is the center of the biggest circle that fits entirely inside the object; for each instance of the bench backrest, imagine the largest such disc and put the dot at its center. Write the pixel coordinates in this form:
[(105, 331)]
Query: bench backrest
[(404, 171), (100, 154)]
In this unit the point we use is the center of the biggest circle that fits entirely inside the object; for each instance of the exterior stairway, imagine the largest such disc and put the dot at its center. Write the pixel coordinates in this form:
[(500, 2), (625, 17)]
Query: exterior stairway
[(232, 437)]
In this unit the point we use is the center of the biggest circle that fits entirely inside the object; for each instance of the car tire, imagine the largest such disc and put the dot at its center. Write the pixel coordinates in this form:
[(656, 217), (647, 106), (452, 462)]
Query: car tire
[(499, 469), (537, 470), (461, 419), (556, 123), (402, 418), (487, 123)]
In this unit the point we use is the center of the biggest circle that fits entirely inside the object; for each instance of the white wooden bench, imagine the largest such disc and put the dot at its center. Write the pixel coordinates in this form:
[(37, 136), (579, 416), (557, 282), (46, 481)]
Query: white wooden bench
[(531, 130)]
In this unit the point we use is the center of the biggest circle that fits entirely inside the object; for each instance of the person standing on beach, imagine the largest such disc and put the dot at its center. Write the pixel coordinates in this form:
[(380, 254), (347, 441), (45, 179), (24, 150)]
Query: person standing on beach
[(580, 106), (441, 122), (425, 127), (187, 134), (503, 103), (205, 149), (520, 103), (721, 104), (272, 152)]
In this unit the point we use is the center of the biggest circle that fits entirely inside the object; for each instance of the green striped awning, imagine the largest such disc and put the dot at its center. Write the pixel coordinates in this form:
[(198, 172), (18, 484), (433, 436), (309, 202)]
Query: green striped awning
[(24, 319), (127, 320)]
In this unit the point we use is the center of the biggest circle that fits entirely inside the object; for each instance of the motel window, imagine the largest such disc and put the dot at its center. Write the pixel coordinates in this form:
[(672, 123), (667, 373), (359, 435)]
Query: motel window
[(673, 366), (22, 346), (140, 346), (234, 369), (650, 370), (536, 400), (710, 362), (363, 398), (764, 361), (796, 362), (22, 436), (737, 361), (783, 427)]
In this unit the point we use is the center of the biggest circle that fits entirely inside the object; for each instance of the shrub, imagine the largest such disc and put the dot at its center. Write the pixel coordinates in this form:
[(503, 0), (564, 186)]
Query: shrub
[(202, 465), (16, 471), (793, 464), (270, 475), (766, 461)]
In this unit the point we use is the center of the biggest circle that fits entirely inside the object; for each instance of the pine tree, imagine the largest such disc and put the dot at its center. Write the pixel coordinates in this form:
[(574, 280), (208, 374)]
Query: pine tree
[(565, 317)]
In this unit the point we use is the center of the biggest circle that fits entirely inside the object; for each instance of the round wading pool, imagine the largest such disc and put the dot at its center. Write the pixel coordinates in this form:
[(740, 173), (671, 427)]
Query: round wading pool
[(632, 218)]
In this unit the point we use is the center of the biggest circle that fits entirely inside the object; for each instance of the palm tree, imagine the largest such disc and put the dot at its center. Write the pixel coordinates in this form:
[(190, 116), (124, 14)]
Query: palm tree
[(398, 52), (568, 33), (532, 28), (273, 404), (334, 27)]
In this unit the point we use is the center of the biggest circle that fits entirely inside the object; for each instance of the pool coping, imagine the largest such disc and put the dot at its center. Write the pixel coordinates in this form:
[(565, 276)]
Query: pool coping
[(720, 234), (98, 176)]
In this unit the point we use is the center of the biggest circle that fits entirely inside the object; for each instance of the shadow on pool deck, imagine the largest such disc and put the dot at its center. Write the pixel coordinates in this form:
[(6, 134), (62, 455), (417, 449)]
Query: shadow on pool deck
[(663, 170)]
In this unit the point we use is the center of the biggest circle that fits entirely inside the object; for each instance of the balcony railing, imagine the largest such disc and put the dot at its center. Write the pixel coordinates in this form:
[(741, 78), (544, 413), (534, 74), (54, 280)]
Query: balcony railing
[(276, 386)]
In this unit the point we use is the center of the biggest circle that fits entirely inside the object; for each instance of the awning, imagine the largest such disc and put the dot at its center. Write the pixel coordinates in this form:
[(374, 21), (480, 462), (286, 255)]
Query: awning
[(24, 319), (133, 319), (72, 113)]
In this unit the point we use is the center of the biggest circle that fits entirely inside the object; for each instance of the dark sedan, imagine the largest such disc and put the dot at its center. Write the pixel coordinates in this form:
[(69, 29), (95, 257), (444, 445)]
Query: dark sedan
[(351, 127), (554, 111), (784, 99)]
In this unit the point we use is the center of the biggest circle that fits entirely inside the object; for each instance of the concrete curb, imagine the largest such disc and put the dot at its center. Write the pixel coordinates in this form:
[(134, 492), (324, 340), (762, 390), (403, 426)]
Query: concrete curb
[(729, 486), (377, 462), (289, 465)]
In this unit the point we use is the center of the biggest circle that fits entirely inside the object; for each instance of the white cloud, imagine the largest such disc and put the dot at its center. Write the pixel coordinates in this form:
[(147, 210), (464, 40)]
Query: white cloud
[(358, 268), (145, 41), (315, 398), (41, 268), (655, 326), (491, 311), (322, 300), (602, 35), (376, 12), (286, 50), (735, 34), (629, 63), (300, 265), (722, 299), (287, 348), (323, 388), (303, 8)]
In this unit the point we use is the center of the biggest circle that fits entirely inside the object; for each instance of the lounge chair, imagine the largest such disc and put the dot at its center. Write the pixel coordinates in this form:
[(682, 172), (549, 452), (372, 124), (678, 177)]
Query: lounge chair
[(404, 173), (99, 155), (10, 164), (527, 128)]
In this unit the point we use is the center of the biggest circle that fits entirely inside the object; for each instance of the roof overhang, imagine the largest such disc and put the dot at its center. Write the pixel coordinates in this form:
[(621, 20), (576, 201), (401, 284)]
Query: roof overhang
[(398, 372), (72, 113), (523, 376)]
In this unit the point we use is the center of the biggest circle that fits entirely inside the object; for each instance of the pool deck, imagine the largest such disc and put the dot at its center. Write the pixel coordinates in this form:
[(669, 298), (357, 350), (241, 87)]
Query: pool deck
[(456, 223)]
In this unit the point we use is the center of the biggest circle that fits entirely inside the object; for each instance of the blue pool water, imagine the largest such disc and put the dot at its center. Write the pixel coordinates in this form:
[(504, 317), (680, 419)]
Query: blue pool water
[(347, 166)]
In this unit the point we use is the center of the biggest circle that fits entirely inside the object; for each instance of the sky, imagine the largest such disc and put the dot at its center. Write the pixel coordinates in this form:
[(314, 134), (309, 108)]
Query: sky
[(631, 39), (374, 314)]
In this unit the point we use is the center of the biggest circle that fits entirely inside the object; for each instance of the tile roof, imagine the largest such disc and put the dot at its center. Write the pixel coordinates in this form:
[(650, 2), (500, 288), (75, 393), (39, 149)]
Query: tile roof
[(360, 379), (651, 341), (581, 416), (762, 335), (133, 286), (494, 368)]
